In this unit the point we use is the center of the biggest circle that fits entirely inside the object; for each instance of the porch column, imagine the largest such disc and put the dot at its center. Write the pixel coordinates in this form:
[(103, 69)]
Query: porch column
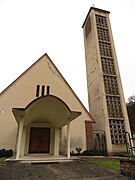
[(68, 139), (56, 142), (19, 140)]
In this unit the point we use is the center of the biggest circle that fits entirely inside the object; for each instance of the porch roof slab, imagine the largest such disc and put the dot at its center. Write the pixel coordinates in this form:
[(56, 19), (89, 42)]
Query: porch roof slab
[(49, 110)]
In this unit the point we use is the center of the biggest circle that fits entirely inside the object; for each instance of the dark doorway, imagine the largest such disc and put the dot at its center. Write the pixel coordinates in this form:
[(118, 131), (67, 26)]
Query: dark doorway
[(39, 140)]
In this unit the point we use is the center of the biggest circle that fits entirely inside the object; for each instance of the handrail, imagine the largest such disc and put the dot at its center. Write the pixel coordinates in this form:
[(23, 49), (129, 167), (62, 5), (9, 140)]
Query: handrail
[(129, 146)]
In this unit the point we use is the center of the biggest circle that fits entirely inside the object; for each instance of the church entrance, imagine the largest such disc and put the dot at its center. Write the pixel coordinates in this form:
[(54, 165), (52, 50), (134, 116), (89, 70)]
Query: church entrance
[(39, 140), (45, 115)]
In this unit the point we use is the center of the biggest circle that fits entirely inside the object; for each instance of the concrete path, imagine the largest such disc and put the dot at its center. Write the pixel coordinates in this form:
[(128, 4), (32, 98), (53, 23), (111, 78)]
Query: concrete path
[(58, 171)]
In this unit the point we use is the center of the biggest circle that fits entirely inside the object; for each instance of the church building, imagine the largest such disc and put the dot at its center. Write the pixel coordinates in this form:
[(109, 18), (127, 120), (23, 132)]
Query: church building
[(41, 114)]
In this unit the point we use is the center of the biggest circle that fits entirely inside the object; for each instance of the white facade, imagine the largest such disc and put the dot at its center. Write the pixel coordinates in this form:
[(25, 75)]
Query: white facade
[(41, 98)]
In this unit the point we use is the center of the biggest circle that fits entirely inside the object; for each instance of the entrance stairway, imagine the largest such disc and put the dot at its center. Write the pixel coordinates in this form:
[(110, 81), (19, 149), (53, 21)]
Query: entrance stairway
[(40, 159)]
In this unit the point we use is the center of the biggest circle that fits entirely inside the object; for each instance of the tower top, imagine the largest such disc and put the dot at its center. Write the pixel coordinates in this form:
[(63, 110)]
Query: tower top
[(96, 9)]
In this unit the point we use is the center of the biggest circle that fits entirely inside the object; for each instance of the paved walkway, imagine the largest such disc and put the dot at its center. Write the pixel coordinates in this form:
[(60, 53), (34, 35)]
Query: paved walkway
[(58, 171)]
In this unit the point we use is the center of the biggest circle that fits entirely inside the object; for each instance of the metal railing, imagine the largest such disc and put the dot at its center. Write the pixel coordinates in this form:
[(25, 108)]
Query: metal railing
[(129, 144)]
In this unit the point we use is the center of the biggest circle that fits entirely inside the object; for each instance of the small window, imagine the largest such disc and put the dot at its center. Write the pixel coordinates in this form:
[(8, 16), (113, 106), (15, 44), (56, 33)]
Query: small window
[(37, 90), (48, 90), (43, 91)]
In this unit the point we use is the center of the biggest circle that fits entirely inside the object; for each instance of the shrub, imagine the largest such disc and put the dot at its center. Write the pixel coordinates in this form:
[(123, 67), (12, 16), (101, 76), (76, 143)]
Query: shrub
[(6, 153), (87, 153), (91, 153)]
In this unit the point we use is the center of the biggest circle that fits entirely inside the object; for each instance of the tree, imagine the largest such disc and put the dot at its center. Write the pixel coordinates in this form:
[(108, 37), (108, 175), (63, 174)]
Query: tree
[(131, 99), (131, 112)]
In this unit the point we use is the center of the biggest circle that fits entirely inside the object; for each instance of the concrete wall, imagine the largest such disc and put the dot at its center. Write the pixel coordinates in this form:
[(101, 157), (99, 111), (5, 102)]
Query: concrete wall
[(96, 87), (96, 94)]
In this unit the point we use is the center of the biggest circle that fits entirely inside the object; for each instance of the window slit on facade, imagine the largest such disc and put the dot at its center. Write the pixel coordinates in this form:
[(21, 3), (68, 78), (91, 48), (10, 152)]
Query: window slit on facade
[(113, 99), (48, 90), (43, 91), (37, 90), (40, 91)]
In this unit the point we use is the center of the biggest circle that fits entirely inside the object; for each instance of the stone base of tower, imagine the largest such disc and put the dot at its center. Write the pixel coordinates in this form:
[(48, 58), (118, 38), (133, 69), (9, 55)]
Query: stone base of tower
[(101, 143), (119, 148)]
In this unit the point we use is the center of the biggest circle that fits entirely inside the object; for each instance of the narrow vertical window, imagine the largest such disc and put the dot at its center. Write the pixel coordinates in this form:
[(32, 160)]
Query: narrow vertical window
[(43, 91), (37, 90), (48, 90)]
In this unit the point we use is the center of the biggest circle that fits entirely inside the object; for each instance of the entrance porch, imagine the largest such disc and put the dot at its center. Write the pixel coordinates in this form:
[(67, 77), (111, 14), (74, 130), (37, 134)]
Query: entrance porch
[(40, 125)]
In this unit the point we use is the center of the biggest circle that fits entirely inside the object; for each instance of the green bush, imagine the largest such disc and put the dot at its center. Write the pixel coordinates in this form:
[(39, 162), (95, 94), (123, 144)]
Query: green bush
[(6, 153), (87, 153), (91, 153)]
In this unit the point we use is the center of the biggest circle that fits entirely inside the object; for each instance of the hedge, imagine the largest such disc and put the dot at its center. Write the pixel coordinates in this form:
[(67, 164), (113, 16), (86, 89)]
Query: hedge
[(6, 153)]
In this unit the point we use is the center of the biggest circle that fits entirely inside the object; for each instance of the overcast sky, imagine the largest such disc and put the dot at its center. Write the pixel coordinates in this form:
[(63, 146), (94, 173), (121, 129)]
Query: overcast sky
[(30, 28)]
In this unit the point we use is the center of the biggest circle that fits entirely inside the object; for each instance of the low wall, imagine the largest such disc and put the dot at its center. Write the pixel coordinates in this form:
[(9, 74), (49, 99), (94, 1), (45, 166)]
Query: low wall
[(127, 167)]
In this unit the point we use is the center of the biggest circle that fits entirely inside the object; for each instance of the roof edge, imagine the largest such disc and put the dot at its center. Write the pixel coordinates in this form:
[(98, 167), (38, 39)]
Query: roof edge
[(96, 9), (22, 74)]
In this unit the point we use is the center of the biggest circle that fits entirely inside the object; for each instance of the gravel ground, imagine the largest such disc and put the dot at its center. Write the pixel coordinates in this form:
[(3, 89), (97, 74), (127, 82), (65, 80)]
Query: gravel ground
[(58, 171)]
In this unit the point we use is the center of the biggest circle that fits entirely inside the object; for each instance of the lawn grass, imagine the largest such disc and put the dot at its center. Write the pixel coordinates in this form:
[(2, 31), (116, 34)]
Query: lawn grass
[(2, 159), (113, 164)]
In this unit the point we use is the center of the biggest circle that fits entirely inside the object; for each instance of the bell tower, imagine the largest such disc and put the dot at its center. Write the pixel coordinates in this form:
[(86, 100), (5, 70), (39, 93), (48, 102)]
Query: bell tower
[(105, 93)]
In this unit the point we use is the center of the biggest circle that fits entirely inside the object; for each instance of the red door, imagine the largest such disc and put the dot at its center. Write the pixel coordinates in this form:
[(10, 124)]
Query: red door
[(39, 140)]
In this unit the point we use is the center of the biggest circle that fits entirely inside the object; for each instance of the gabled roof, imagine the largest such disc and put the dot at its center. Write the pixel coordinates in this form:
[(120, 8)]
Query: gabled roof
[(4, 91)]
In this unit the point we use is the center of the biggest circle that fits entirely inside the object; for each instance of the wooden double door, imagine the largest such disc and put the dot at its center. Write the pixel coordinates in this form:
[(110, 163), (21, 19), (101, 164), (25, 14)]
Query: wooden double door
[(39, 140)]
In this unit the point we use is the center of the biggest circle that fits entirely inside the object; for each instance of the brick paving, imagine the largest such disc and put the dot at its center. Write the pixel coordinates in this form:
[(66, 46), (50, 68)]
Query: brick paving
[(58, 171)]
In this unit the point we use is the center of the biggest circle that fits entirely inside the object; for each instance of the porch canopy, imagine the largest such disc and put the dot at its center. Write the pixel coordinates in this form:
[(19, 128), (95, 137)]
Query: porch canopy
[(48, 111)]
